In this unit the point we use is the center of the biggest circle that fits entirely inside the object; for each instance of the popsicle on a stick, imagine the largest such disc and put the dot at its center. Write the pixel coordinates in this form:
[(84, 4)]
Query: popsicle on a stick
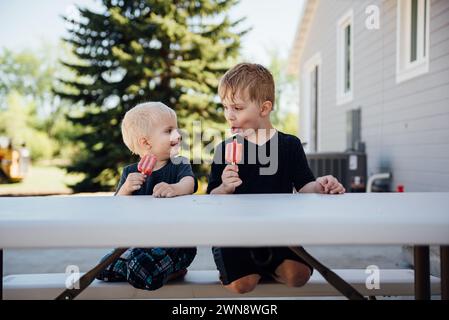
[(233, 152), (146, 164)]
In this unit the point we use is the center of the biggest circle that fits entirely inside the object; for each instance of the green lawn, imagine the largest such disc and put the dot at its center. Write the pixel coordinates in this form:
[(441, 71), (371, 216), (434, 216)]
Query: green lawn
[(41, 180)]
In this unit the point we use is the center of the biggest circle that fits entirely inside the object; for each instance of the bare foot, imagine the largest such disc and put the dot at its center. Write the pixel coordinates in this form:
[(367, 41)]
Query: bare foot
[(178, 274)]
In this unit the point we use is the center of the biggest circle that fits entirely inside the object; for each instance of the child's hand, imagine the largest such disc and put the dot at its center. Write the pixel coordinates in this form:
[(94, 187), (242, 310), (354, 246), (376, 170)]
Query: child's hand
[(329, 184), (230, 178), (164, 190), (133, 182)]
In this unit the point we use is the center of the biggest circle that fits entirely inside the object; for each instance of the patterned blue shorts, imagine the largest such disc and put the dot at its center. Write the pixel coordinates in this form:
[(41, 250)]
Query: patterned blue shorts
[(147, 268)]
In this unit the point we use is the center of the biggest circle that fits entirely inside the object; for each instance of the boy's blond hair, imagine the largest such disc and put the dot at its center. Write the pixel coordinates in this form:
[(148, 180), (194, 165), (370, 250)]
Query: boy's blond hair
[(140, 120), (249, 80)]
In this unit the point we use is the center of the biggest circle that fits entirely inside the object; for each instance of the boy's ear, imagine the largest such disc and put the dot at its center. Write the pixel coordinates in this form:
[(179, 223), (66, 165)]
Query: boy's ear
[(266, 108), (144, 143)]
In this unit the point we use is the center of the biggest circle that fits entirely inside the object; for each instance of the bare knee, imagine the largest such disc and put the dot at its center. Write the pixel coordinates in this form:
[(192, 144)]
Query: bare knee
[(298, 279), (244, 285), (293, 274)]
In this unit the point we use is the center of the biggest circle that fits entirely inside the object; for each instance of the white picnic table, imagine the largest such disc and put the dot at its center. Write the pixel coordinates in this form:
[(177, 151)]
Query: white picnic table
[(418, 219)]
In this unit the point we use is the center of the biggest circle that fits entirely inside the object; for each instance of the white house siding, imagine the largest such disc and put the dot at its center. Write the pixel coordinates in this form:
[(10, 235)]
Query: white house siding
[(405, 126)]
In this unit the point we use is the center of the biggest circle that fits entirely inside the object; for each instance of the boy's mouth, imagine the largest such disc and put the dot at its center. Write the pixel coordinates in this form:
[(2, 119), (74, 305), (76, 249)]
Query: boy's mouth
[(174, 148), (236, 129)]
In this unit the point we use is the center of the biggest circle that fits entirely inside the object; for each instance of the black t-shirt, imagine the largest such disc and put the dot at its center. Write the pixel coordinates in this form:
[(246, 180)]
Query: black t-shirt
[(170, 173), (277, 166)]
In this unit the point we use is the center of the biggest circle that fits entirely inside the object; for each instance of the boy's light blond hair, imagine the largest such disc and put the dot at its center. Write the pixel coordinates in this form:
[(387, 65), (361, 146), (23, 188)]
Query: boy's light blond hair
[(250, 80), (140, 120)]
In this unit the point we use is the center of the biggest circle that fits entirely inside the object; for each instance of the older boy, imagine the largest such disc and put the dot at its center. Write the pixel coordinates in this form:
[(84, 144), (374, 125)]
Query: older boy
[(273, 162)]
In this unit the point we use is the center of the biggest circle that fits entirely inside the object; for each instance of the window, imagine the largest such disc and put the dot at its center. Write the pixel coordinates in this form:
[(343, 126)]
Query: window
[(412, 39), (310, 112), (345, 58)]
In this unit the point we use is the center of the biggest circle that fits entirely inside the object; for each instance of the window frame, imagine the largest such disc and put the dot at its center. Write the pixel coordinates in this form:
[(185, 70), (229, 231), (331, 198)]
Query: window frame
[(406, 69), (305, 117), (343, 95)]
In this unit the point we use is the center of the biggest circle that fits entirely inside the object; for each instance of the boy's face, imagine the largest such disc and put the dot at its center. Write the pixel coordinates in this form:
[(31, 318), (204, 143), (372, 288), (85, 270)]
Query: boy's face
[(165, 139), (242, 114)]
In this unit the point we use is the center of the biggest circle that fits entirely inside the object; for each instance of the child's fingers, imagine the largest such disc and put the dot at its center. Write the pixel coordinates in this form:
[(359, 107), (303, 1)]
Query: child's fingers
[(159, 186), (136, 179), (237, 183), (333, 183), (160, 190), (234, 168), (338, 189), (164, 190), (136, 182), (328, 188), (231, 174), (341, 189), (133, 186), (233, 180), (156, 194), (325, 187), (170, 193), (322, 182), (165, 193), (137, 175)]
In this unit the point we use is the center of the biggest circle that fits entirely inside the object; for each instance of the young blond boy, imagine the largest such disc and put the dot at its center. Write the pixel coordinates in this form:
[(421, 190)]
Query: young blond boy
[(151, 129), (247, 93)]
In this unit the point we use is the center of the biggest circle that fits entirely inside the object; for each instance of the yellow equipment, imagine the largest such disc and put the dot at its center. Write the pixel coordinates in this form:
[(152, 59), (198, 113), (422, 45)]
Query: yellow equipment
[(13, 163)]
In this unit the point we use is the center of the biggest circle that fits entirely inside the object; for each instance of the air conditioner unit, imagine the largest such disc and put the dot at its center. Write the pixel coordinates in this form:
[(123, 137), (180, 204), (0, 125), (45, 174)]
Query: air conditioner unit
[(348, 167)]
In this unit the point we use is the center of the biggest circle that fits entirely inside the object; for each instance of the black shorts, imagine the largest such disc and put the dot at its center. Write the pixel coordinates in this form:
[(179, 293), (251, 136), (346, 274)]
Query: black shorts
[(235, 263)]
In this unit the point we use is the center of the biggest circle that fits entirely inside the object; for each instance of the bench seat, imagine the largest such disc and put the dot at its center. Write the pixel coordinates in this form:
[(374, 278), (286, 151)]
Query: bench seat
[(205, 284)]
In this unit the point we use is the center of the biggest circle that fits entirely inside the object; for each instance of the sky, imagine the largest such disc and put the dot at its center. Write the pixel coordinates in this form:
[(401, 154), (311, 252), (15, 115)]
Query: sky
[(28, 23)]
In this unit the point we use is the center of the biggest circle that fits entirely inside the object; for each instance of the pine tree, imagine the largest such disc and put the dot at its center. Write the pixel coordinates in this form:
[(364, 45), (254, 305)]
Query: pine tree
[(143, 50)]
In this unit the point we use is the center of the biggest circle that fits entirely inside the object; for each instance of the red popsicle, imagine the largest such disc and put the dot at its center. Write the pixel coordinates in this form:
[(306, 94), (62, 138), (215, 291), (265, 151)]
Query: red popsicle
[(146, 164), (233, 152)]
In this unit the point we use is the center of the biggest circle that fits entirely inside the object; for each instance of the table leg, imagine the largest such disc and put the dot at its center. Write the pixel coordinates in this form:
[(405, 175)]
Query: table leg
[(422, 272), (444, 259), (1, 274)]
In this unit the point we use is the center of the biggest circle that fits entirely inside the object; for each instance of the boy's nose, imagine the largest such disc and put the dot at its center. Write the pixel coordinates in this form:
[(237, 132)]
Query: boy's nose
[(175, 135), (230, 115)]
